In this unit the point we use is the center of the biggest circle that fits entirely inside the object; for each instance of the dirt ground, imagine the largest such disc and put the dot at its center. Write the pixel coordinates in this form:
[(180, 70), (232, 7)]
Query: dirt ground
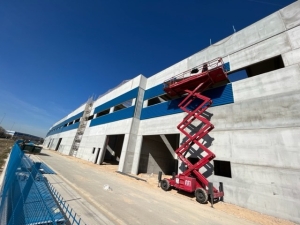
[(152, 183), (5, 147)]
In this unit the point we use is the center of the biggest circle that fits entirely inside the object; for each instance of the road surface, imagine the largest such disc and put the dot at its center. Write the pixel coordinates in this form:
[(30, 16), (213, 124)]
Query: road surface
[(130, 201)]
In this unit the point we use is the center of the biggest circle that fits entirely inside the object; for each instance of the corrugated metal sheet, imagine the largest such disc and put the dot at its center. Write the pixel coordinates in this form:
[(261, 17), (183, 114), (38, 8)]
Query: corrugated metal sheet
[(220, 96), (154, 91), (226, 66)]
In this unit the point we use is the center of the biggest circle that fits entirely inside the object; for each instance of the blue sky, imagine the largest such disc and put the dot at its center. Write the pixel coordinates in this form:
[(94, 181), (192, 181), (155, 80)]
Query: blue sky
[(55, 54)]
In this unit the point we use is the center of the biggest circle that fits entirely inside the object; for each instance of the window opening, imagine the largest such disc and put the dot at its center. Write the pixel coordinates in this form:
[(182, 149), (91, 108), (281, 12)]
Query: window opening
[(265, 66), (222, 168), (102, 113), (90, 117), (123, 105), (160, 99)]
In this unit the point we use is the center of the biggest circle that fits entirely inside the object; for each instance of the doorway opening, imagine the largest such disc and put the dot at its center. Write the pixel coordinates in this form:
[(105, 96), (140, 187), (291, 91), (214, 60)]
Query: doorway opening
[(157, 154), (58, 144), (113, 148)]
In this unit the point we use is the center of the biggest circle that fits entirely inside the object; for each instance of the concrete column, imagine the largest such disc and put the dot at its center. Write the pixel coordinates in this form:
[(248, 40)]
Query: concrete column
[(145, 103), (102, 152), (137, 155), (133, 102), (111, 110), (123, 153)]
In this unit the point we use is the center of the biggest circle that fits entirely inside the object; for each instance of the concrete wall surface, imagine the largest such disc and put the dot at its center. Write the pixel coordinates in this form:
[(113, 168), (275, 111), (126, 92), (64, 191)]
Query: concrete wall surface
[(258, 134)]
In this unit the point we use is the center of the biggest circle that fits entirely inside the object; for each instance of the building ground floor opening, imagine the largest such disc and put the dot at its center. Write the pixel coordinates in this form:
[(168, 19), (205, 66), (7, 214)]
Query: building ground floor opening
[(112, 149), (158, 154)]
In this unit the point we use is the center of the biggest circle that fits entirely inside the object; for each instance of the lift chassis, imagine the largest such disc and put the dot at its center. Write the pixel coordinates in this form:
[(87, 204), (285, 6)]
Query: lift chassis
[(190, 84)]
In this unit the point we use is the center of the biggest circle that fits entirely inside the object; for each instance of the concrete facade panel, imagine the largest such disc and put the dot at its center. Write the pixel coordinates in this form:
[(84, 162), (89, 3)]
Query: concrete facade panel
[(265, 147), (197, 59), (160, 125), (259, 187), (160, 77), (87, 144), (294, 37), (255, 33), (291, 57), (291, 15), (263, 50), (271, 83), (266, 112)]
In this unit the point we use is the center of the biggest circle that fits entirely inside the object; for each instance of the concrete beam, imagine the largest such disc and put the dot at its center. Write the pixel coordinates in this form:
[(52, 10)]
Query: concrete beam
[(167, 143), (110, 150)]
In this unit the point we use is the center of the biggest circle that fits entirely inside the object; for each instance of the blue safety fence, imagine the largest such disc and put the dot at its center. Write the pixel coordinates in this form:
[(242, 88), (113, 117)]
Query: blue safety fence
[(25, 197), (68, 211), (46, 169)]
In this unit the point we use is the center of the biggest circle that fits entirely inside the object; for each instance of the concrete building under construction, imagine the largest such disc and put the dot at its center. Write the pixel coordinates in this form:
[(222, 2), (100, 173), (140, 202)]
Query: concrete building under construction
[(256, 120)]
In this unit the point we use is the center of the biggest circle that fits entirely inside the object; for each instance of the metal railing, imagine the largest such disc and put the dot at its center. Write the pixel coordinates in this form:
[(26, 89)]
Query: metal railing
[(208, 66), (24, 195), (68, 211)]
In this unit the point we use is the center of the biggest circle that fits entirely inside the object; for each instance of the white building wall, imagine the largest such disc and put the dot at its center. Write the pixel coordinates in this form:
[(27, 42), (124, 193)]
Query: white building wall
[(258, 133)]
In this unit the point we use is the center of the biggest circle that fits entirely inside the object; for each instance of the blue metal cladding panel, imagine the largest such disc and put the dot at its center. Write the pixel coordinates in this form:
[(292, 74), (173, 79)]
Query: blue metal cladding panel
[(122, 98), (226, 67), (220, 96), (115, 116), (154, 91), (58, 128), (71, 127)]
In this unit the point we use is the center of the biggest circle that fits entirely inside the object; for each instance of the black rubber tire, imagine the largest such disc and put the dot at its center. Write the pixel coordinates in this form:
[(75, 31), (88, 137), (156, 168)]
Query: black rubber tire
[(201, 195), (165, 185)]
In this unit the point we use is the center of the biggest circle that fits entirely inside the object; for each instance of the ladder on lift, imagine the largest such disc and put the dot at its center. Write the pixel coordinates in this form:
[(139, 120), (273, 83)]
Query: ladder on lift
[(191, 84)]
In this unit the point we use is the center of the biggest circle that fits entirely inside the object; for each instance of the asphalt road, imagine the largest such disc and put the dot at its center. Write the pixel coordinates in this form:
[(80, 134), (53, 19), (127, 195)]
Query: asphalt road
[(130, 201)]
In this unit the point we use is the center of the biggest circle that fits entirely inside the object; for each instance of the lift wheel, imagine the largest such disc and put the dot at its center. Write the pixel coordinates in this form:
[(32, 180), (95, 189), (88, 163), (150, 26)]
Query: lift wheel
[(201, 195), (165, 185)]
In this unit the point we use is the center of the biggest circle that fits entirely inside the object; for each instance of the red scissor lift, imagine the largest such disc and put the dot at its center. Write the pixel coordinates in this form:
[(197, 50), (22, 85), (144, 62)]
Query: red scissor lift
[(191, 84)]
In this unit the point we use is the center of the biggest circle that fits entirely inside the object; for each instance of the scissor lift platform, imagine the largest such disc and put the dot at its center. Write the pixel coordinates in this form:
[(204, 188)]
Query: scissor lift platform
[(191, 84)]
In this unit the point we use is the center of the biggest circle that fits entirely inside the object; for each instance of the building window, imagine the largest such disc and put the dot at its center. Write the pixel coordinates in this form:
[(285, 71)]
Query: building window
[(222, 168), (94, 150), (90, 117), (102, 113), (160, 99), (124, 105), (265, 66)]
